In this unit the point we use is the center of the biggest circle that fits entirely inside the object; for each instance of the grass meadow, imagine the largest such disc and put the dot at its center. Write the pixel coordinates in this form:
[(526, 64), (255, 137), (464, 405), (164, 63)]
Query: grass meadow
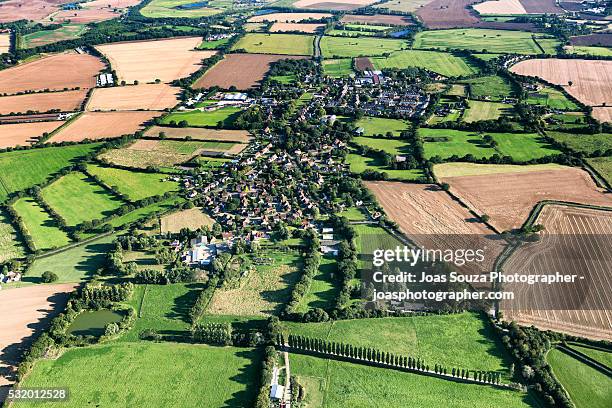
[(22, 169), (94, 201), (440, 62), (10, 247), (143, 212), (380, 126), (222, 117), (135, 185), (358, 164), (587, 387), (171, 9), (478, 110), (338, 68), (584, 143), (456, 142), (285, 44), (323, 289), (601, 356), (552, 98), (44, 37), (39, 224), (391, 146), (492, 88), (523, 146), (346, 47), (151, 374), (330, 383), (586, 50), (603, 165)]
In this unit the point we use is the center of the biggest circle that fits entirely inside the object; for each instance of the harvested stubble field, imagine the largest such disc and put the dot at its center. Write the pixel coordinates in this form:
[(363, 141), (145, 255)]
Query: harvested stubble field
[(602, 114), (286, 44), (377, 19), (102, 125), (336, 5), (542, 6), (55, 72), (563, 225), (31, 310), (192, 218), (43, 102), (14, 10), (231, 71), (402, 5), (291, 27), (24, 134), (134, 97), (238, 136), (591, 79), (507, 198), (141, 60), (5, 42), (288, 17), (447, 14), (84, 15), (505, 7)]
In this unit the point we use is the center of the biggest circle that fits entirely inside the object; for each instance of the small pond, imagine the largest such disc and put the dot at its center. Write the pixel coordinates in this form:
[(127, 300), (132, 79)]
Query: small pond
[(93, 323)]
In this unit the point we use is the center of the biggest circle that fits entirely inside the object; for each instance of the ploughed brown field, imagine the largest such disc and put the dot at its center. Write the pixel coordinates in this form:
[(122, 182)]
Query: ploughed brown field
[(447, 14), (27, 311), (84, 16), (289, 27), (42, 102), (102, 125), (377, 19), (244, 71), (542, 6), (134, 97), (603, 114), (146, 61), (363, 64), (591, 79), (507, 198), (238, 136), (604, 40), (570, 235), (23, 134), (14, 10), (55, 72), (500, 7), (287, 17), (431, 218), (338, 5)]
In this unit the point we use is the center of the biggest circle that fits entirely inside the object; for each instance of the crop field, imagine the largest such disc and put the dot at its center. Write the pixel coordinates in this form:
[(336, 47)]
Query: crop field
[(44, 37), (263, 292), (482, 40), (56, 72), (285, 44), (23, 169), (192, 218), (373, 126), (31, 311), (507, 198), (552, 98), (586, 386), (341, 47), (287, 17), (61, 193), (291, 27), (72, 265), (440, 62), (145, 96), (231, 71), (42, 102), (238, 136), (172, 9), (135, 185), (446, 143), (337, 5), (358, 164), (492, 88), (42, 228), (589, 81), (385, 19), (587, 144), (447, 14), (603, 165), (523, 146), (602, 114), (25, 134), (478, 110), (139, 60), (402, 5), (212, 376), (338, 68), (10, 247), (103, 125), (434, 338)]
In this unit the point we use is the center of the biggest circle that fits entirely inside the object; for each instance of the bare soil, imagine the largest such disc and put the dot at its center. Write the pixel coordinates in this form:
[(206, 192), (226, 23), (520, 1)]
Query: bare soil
[(24, 134), (377, 19), (102, 125), (43, 102)]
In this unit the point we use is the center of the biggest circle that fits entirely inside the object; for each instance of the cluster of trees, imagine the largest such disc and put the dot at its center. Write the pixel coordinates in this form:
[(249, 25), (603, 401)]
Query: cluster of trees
[(219, 334), (311, 263), (267, 366), (199, 307), (96, 296), (498, 159), (347, 269), (166, 277)]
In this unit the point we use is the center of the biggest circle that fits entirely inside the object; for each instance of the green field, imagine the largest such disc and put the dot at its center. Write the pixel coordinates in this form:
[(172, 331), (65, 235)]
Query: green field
[(486, 57), (440, 62), (156, 374), (44, 37), (343, 47), (10, 247), (587, 387), (22, 169), (585, 50), (483, 40), (286, 44), (73, 265), (567, 121), (492, 88), (337, 68), (222, 117), (189, 147), (60, 195), (349, 33), (358, 164), (391, 146), (323, 289), (330, 383), (135, 185), (39, 224), (603, 165), (366, 27), (479, 110), (552, 98), (156, 208), (601, 356), (213, 45), (380, 126), (584, 143), (523, 146), (459, 143), (353, 214), (168, 9)]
